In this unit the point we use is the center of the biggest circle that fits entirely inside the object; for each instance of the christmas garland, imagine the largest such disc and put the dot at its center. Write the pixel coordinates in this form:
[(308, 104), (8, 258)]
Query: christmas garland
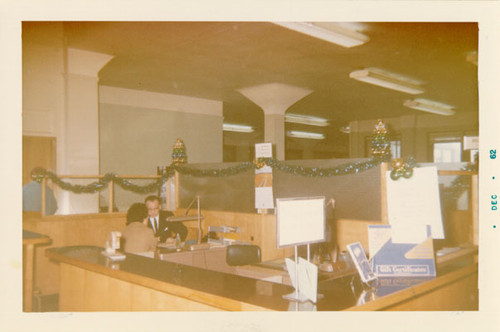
[(459, 184), (345, 169), (102, 184)]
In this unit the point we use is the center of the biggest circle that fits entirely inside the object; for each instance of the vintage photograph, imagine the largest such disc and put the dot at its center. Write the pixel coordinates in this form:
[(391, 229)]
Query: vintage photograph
[(166, 162)]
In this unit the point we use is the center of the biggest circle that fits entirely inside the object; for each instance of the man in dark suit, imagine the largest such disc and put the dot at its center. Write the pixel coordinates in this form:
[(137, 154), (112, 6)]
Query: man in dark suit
[(157, 220)]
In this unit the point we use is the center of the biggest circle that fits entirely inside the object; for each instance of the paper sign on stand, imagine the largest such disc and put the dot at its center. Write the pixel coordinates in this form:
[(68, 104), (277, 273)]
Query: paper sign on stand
[(264, 178), (413, 203)]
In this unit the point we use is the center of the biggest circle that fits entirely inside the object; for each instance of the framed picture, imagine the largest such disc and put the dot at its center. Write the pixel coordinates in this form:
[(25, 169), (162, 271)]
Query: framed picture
[(362, 265)]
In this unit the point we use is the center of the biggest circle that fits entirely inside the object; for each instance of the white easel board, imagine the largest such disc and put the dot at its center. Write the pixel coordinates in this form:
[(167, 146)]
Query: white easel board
[(300, 221)]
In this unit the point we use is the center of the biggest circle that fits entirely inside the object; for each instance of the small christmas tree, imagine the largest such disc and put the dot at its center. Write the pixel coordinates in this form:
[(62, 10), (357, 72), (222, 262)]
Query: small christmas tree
[(380, 145), (179, 155)]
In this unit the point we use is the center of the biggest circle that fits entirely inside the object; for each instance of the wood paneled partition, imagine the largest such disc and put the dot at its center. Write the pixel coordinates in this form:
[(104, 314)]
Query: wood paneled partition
[(83, 229)]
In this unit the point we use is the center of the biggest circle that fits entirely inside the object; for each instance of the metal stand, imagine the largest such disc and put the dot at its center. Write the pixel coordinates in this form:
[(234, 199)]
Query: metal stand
[(185, 217), (199, 218)]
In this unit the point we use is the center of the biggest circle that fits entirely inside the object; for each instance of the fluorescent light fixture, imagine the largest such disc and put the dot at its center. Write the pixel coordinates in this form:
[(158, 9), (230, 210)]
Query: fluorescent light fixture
[(236, 128), (331, 32), (304, 134), (307, 120), (388, 80), (430, 106)]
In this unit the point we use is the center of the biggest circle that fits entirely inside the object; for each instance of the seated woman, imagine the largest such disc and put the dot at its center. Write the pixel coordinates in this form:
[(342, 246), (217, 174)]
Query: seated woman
[(137, 236)]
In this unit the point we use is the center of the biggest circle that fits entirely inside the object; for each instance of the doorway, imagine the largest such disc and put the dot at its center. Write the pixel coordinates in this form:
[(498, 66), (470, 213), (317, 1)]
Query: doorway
[(38, 151)]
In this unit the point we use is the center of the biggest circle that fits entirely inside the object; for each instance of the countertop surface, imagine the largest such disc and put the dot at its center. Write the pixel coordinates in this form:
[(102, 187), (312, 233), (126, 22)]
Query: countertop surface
[(336, 294)]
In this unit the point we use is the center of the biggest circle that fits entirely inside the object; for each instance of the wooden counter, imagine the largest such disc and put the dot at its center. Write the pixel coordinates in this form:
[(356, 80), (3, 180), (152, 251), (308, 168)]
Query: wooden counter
[(30, 239), (90, 282)]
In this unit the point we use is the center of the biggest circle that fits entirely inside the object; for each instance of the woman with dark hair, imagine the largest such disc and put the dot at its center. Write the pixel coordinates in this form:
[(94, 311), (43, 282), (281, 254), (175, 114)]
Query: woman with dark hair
[(137, 236)]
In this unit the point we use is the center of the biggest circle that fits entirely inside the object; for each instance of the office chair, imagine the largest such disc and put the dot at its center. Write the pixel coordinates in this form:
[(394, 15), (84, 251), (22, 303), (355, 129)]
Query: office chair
[(242, 254)]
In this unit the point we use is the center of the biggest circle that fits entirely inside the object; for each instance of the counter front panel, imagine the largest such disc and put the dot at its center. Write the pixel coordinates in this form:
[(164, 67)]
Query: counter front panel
[(455, 288)]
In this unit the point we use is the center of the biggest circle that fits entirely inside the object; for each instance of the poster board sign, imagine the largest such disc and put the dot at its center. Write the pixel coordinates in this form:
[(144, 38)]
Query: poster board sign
[(414, 203), (300, 221), (390, 259), (264, 178)]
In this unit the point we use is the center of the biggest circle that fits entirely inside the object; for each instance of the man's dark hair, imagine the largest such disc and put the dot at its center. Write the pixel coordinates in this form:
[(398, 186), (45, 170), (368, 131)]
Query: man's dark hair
[(136, 212), (152, 198)]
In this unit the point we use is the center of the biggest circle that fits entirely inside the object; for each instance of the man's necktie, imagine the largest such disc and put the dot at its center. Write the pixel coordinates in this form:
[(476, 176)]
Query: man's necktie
[(155, 226)]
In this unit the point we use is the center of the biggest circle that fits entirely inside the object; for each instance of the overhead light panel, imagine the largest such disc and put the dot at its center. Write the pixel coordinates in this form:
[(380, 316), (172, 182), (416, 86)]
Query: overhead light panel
[(307, 120), (388, 80), (237, 128), (430, 106), (304, 134), (331, 32)]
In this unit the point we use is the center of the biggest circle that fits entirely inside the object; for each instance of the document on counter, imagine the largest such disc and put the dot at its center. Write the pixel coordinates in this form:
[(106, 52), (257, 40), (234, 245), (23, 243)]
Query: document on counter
[(414, 203)]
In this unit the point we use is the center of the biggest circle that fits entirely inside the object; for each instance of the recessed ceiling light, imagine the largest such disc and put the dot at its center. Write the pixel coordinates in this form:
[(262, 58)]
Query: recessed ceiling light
[(329, 31), (388, 80), (304, 134), (430, 106), (237, 128), (307, 120)]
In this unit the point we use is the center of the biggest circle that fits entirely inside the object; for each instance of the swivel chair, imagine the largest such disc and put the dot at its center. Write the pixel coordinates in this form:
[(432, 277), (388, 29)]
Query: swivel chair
[(242, 254)]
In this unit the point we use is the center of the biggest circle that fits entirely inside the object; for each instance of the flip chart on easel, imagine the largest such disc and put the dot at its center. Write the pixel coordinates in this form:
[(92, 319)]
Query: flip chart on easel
[(414, 203)]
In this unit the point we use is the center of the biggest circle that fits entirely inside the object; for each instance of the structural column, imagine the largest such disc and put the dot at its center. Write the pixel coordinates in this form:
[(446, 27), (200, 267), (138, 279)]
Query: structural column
[(81, 126), (275, 99)]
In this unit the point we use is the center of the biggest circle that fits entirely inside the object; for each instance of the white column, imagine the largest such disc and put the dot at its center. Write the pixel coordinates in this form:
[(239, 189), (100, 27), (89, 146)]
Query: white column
[(275, 99), (274, 132), (81, 126)]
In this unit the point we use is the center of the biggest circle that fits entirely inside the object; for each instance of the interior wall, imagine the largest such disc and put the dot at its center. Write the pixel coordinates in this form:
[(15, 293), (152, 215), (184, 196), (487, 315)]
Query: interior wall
[(135, 139), (414, 131), (43, 81), (43, 90), (60, 100)]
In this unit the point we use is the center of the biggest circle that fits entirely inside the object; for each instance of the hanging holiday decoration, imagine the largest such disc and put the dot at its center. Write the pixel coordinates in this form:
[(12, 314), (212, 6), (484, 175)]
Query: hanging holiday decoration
[(380, 144), (344, 169), (214, 172), (179, 155), (459, 184), (103, 183), (402, 168)]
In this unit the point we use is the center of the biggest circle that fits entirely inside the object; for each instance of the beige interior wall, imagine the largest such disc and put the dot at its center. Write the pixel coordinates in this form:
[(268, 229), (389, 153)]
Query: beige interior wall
[(43, 82), (414, 131), (138, 134), (60, 100)]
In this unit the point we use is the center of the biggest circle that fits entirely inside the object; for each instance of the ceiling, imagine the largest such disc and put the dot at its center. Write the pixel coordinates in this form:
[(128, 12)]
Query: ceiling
[(214, 59)]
